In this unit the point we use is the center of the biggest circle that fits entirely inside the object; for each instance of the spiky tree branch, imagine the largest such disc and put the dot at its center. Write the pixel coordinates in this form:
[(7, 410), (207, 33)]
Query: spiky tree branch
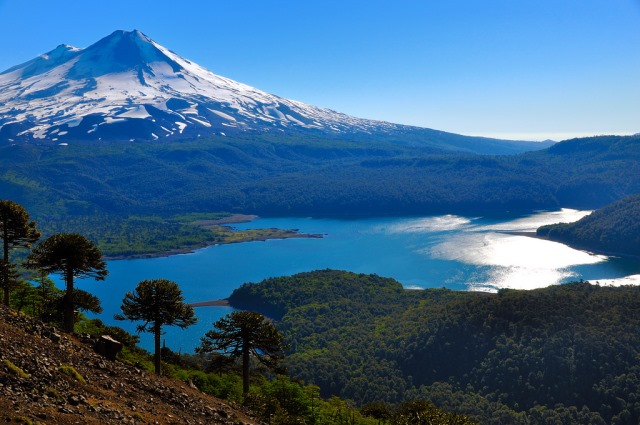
[(17, 230), (245, 334), (73, 256), (157, 303)]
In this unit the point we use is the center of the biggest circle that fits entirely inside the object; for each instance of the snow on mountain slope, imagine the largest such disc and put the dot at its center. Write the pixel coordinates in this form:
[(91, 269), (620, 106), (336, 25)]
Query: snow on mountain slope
[(126, 86)]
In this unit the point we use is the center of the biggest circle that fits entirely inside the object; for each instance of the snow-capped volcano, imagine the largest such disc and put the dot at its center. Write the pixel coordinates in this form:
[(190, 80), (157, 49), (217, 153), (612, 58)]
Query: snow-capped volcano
[(127, 86)]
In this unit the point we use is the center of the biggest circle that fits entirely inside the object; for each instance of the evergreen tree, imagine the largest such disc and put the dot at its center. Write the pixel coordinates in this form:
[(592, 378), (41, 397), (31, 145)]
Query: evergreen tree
[(23, 294), (242, 334), (157, 303), (71, 255), (16, 231), (47, 294)]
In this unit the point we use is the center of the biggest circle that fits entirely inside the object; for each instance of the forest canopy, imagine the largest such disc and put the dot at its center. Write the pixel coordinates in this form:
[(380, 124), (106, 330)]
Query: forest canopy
[(614, 229), (293, 176), (565, 353)]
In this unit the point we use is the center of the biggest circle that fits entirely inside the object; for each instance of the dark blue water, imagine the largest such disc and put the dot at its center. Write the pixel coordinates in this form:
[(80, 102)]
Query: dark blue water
[(420, 252)]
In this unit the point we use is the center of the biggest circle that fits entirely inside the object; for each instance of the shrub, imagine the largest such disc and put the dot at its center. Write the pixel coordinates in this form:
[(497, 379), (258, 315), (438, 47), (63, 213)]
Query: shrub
[(15, 369), (70, 371)]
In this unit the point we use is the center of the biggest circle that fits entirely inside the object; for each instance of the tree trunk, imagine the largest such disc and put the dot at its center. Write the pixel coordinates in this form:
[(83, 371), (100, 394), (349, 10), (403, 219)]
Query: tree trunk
[(245, 366), (156, 356), (5, 265), (69, 308)]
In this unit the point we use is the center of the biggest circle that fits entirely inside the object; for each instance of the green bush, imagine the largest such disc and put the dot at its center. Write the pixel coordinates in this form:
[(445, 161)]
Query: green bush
[(70, 371), (15, 369)]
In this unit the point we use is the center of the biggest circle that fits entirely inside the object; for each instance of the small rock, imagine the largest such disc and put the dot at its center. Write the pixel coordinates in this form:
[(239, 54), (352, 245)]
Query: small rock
[(73, 400), (108, 347), (54, 337)]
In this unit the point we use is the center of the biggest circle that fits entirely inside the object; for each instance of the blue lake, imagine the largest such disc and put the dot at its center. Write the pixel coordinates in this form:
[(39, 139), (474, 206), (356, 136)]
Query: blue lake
[(421, 252)]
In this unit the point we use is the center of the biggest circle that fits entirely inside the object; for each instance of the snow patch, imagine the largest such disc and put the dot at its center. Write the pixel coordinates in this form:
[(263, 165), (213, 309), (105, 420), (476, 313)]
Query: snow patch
[(73, 122), (201, 122), (111, 120), (222, 115), (290, 118), (139, 112)]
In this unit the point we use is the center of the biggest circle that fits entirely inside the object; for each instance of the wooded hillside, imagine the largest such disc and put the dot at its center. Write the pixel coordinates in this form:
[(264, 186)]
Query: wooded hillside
[(287, 176), (566, 353), (612, 229)]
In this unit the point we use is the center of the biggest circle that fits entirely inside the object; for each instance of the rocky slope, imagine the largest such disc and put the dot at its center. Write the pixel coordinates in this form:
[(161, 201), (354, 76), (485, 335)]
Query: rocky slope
[(34, 387)]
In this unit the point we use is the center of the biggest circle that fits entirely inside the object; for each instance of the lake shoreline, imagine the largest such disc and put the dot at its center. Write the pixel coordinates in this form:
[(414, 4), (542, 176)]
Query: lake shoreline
[(576, 246), (399, 248), (213, 303), (528, 234)]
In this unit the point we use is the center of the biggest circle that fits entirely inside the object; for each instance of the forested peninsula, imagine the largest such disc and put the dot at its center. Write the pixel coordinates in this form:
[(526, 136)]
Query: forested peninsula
[(614, 229), (120, 237), (562, 354)]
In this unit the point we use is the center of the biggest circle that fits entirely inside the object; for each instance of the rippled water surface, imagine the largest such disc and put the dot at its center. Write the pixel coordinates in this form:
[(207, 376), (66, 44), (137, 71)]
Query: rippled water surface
[(421, 252)]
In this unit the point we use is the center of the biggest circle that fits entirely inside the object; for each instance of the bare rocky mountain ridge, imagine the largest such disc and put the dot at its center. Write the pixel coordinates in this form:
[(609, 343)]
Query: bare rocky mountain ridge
[(114, 392)]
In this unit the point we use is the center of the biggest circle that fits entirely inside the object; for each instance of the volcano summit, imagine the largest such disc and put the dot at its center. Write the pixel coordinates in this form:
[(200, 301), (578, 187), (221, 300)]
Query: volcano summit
[(128, 86)]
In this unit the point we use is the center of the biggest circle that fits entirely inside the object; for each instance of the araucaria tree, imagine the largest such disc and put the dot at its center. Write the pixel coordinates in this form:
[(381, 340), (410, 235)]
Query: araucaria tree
[(17, 230), (73, 256), (243, 334), (157, 303)]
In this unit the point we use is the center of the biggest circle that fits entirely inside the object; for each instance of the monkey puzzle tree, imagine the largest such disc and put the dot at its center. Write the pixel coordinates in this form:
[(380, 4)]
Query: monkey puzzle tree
[(157, 303), (17, 230), (72, 255), (242, 334)]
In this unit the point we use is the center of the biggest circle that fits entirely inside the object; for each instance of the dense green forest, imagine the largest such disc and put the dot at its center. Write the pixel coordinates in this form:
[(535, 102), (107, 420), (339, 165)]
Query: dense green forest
[(240, 340), (613, 229), (274, 399), (285, 176), (564, 354)]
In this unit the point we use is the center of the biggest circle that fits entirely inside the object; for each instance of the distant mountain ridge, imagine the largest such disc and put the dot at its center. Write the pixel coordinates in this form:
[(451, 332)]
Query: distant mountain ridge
[(128, 87), (284, 176)]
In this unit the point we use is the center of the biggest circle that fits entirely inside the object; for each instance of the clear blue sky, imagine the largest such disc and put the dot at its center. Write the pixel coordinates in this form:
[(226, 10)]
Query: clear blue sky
[(529, 69)]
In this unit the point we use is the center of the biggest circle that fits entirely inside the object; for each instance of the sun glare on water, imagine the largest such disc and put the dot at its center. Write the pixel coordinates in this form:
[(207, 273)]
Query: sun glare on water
[(514, 261)]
